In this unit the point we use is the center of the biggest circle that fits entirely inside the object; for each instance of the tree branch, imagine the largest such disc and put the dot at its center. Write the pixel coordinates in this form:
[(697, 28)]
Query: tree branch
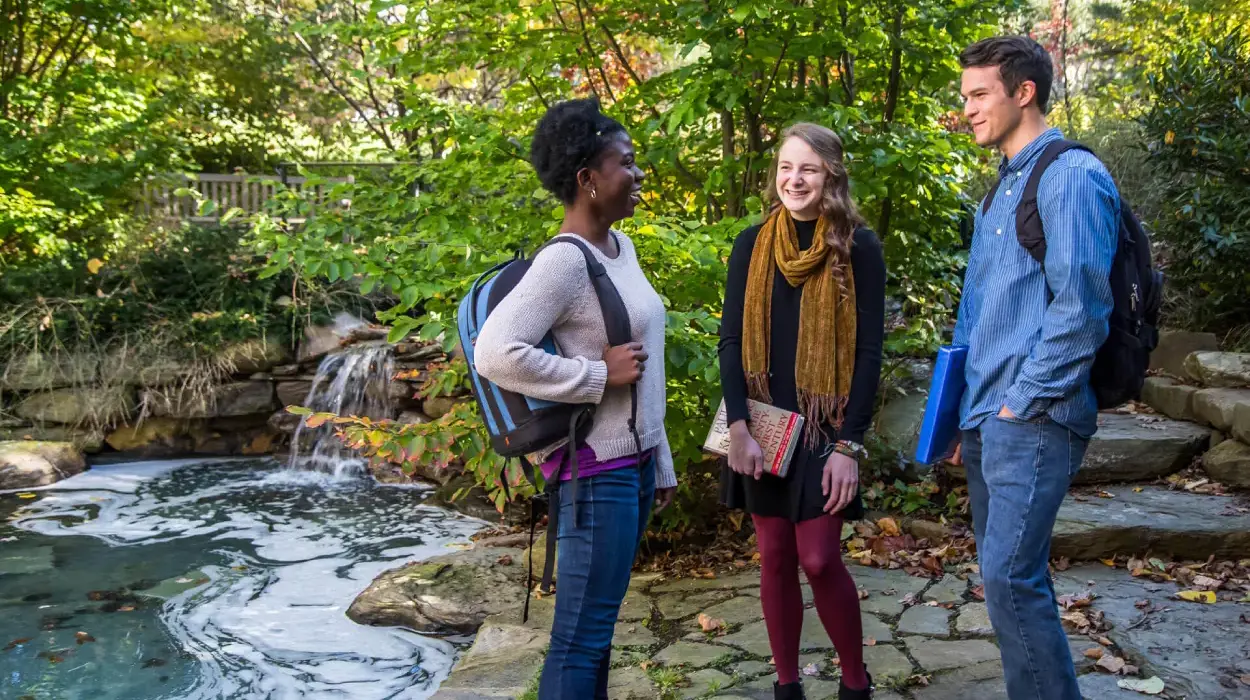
[(590, 51)]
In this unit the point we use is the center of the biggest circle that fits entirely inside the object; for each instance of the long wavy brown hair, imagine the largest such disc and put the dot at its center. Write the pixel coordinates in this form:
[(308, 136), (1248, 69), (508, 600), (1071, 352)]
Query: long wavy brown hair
[(835, 200)]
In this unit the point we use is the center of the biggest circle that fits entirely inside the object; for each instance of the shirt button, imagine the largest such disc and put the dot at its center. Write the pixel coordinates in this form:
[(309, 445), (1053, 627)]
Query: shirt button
[(1008, 193), (999, 232)]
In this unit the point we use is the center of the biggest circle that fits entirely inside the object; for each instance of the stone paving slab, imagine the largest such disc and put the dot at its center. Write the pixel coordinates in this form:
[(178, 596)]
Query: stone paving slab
[(974, 620), (933, 621), (694, 655), (749, 579), (679, 605), (709, 680), (936, 655), (950, 589), (887, 662), (736, 611)]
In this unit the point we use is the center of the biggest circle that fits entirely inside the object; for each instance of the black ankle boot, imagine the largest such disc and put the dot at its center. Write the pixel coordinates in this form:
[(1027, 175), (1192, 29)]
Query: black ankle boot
[(789, 691), (845, 693)]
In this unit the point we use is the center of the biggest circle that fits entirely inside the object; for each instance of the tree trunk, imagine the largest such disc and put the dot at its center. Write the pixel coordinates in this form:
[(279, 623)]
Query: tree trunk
[(891, 105), (728, 158)]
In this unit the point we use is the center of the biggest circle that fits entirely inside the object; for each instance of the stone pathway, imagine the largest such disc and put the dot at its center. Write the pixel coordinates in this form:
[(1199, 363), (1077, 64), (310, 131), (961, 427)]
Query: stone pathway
[(926, 640)]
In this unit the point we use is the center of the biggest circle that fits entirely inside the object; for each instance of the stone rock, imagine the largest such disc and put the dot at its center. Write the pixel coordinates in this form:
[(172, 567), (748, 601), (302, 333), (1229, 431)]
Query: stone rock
[(78, 406), (1199, 651), (1101, 686), (412, 418), (950, 589), (402, 393), (709, 680), (1241, 422), (235, 399), (85, 438), (1218, 407), (694, 655), (636, 607), (449, 594), (1169, 397), (633, 634), (1179, 523), (250, 356), (418, 352), (293, 393), (923, 529), (1219, 369), (751, 668), (982, 681), (1175, 346), (26, 464), (974, 620), (1229, 463), (887, 663), (928, 620), (753, 638), (898, 422), (502, 662), (320, 341), (284, 422), (1137, 448), (886, 588), (539, 554), (733, 581), (737, 611), (676, 605), (935, 655), (438, 406), (39, 371), (630, 684), (137, 367), (157, 436)]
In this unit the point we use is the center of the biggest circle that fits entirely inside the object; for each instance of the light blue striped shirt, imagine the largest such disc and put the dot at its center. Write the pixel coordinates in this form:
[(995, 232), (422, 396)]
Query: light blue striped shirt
[(1032, 336)]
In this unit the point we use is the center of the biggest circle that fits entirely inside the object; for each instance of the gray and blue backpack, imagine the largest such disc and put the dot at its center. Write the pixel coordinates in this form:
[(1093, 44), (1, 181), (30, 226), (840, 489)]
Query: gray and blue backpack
[(520, 425)]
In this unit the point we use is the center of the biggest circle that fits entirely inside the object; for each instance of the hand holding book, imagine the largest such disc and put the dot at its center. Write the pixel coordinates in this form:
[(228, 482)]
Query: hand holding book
[(745, 455)]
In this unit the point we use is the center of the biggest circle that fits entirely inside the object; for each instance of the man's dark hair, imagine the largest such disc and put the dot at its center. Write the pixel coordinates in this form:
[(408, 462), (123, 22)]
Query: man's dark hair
[(1018, 58), (569, 137)]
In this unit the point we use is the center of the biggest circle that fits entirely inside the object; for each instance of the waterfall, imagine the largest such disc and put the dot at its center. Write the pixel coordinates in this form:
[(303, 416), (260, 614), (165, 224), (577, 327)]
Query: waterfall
[(354, 382)]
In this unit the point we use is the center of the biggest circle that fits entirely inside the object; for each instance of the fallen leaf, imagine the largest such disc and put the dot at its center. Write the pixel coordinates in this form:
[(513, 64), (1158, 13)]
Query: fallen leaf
[(1148, 686), (1207, 583), (1111, 664), (1094, 653), (647, 665), (83, 637), (1245, 680), (126, 608), (1206, 597), (1142, 604), (1108, 562), (978, 592), (709, 624), (811, 670), (505, 560), (889, 527), (863, 594), (26, 495), (1138, 489), (1103, 641), (870, 642), (16, 643)]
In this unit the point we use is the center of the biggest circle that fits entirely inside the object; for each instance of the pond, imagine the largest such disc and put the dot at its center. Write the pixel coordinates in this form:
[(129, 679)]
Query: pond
[(211, 579)]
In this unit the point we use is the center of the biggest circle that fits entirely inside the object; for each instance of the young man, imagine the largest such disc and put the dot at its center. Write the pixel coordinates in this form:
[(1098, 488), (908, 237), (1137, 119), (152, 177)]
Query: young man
[(1032, 331)]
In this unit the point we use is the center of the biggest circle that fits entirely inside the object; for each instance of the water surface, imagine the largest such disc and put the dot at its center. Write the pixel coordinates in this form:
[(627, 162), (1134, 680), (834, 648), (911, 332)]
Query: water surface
[(201, 579)]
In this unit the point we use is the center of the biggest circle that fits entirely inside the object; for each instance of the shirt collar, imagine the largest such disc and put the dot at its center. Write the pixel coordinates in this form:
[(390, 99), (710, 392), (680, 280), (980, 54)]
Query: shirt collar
[(1030, 152)]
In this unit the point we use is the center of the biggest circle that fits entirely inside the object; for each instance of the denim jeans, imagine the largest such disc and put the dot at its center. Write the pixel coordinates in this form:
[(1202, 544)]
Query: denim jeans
[(593, 565), (1018, 475)]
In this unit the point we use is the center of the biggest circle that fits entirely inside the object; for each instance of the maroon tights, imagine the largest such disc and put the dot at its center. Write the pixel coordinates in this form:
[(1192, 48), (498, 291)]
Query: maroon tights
[(816, 546)]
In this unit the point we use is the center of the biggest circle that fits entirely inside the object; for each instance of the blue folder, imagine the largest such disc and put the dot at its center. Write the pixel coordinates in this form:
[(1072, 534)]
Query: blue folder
[(940, 430)]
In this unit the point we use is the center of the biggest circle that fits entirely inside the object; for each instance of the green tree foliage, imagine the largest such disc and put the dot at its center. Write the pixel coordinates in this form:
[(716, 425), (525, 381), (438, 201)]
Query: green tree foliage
[(703, 87)]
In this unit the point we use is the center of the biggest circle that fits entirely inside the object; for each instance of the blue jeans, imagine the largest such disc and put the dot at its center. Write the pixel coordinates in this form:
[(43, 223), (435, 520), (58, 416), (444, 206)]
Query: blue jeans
[(1018, 475), (594, 561)]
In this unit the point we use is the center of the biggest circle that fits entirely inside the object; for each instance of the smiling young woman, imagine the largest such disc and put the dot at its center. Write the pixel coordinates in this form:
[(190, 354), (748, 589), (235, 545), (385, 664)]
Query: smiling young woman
[(802, 329), (587, 160)]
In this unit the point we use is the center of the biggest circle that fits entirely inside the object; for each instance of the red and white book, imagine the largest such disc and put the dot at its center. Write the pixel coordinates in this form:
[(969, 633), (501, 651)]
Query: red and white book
[(775, 429)]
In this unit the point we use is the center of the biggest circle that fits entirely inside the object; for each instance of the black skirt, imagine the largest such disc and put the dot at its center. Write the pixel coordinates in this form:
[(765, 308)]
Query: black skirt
[(797, 496)]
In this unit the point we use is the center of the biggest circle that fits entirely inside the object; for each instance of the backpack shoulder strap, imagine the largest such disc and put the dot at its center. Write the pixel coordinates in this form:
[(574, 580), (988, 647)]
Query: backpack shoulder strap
[(1029, 230), (615, 316)]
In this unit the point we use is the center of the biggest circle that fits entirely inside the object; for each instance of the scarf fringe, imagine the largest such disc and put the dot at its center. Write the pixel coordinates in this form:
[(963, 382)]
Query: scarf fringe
[(820, 410)]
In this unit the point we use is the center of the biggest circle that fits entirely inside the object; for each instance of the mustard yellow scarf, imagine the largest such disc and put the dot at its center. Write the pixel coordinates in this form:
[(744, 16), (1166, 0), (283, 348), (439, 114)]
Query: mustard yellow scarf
[(825, 358)]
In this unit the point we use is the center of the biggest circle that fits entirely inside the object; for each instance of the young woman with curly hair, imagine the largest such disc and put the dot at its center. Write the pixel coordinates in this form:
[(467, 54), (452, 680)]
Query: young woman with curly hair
[(587, 160), (802, 330)]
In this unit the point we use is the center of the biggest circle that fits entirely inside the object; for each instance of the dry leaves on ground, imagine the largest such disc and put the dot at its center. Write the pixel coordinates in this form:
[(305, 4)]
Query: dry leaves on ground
[(708, 623), (1147, 686), (884, 545)]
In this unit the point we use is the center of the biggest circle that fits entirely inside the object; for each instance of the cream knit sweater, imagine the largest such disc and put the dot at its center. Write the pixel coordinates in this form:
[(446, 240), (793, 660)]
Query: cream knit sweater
[(556, 295)]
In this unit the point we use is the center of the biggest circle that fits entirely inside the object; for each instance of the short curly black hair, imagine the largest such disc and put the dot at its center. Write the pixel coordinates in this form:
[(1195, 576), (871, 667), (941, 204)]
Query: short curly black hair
[(569, 137)]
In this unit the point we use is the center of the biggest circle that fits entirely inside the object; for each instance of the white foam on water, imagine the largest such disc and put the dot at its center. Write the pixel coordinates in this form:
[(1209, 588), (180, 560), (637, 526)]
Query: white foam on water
[(291, 552)]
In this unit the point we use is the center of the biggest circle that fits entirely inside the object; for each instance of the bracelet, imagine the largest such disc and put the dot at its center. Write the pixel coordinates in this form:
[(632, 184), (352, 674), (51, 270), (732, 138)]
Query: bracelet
[(854, 450)]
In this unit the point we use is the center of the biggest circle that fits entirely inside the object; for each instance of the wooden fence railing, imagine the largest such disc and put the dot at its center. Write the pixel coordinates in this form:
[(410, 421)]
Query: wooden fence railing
[(247, 192)]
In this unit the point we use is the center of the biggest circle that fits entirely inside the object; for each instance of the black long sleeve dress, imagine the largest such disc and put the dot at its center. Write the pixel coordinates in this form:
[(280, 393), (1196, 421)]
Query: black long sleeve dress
[(798, 496)]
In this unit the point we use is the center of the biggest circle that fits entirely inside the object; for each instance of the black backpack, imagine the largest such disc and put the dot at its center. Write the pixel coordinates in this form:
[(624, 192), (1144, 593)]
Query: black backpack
[(1120, 365), (519, 425)]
